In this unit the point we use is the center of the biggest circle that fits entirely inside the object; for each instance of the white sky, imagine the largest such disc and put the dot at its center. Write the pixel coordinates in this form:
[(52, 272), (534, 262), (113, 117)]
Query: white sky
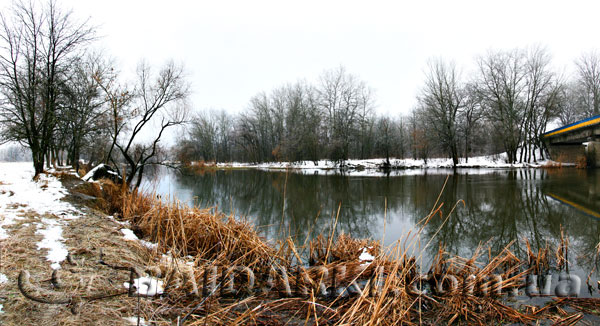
[(234, 49)]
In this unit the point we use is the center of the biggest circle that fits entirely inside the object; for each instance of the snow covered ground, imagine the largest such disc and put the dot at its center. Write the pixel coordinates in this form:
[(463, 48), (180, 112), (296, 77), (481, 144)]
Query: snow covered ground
[(371, 167), (19, 195)]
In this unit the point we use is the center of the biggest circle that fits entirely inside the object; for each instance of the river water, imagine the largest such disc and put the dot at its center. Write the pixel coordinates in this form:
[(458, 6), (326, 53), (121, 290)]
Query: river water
[(491, 206)]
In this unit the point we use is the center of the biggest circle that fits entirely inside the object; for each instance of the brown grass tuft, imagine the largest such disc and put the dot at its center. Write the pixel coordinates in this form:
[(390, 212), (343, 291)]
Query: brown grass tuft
[(581, 162)]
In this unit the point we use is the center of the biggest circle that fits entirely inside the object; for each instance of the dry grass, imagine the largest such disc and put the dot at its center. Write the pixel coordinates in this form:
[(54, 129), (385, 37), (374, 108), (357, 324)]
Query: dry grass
[(581, 162), (82, 277), (345, 249), (66, 176), (181, 229), (199, 167)]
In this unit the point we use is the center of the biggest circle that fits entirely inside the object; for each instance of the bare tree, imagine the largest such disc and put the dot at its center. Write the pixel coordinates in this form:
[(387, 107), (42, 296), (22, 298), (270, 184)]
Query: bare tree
[(224, 136), (419, 139), (344, 98), (469, 117), (37, 46), (281, 125), (204, 133), (401, 137), (387, 138), (442, 99), (85, 109), (571, 106), (118, 97), (588, 68), (501, 83), (256, 130), (540, 92), (302, 122), (159, 102)]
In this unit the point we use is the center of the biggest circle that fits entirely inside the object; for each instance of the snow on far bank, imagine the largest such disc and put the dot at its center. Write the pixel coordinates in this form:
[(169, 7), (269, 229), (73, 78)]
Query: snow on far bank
[(20, 194), (371, 167)]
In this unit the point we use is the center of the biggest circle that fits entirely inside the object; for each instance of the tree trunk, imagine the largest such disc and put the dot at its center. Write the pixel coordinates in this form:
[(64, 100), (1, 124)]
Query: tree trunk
[(38, 161), (139, 177), (466, 147), (454, 153), (58, 156), (75, 158)]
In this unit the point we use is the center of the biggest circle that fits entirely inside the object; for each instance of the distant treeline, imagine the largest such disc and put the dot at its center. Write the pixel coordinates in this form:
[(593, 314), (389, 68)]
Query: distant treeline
[(507, 102), (14, 153)]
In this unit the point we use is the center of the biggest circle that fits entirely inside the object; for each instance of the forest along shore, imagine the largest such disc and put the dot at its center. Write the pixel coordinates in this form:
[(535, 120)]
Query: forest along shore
[(66, 262)]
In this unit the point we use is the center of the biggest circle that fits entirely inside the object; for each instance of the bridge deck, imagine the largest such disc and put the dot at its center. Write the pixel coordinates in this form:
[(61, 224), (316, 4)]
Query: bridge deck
[(573, 126)]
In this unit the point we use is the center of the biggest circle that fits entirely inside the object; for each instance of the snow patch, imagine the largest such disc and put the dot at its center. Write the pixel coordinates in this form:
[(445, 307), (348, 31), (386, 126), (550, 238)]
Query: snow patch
[(365, 255), (129, 235), (146, 286), (3, 278), (53, 241), (43, 196), (148, 244), (134, 321), (90, 174), (3, 234), (126, 223)]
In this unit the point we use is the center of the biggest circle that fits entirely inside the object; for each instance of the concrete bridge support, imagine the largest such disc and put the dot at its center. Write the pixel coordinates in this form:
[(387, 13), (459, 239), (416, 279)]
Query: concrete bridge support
[(592, 153), (567, 153), (576, 153)]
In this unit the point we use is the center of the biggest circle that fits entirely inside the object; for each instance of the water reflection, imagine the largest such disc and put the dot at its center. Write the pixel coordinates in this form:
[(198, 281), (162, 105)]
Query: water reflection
[(499, 205)]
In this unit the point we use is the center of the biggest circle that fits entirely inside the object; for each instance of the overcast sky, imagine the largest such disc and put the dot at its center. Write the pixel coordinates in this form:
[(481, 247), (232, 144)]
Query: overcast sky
[(234, 49)]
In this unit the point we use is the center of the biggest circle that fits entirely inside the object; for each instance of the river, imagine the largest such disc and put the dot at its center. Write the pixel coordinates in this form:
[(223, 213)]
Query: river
[(491, 206)]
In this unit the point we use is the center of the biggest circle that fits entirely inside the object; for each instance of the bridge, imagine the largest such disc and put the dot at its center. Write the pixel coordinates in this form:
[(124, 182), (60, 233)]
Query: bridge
[(576, 141)]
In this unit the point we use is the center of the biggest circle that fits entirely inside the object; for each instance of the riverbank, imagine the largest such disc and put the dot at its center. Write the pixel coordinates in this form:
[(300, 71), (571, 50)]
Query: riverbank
[(46, 230), (201, 261), (378, 166)]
